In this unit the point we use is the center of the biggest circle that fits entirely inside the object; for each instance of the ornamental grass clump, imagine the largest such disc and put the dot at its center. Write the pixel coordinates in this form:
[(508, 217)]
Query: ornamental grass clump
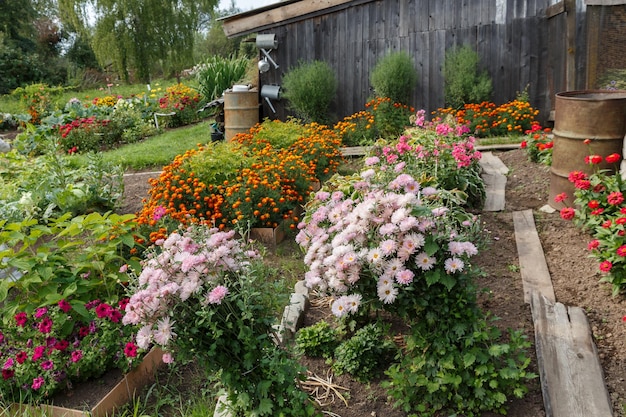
[(201, 295), (598, 207), (387, 240)]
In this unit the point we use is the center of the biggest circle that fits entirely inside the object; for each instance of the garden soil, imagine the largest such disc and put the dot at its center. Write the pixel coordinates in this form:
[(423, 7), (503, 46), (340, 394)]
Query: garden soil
[(575, 277)]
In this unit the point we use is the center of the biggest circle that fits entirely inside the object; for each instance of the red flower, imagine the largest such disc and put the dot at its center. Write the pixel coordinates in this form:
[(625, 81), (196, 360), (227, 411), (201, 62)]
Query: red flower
[(567, 213), (576, 175), (620, 220), (64, 306), (130, 350), (103, 310), (599, 188), (606, 266), (7, 374), (21, 357), (615, 198), (593, 244), (523, 145), (560, 198), (607, 224), (593, 204), (21, 319), (582, 184), (624, 319), (587, 141), (621, 251), (613, 158)]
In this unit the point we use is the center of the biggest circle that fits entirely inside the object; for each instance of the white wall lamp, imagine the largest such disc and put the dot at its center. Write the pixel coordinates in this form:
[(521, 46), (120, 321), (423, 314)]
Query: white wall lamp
[(266, 43), (270, 92)]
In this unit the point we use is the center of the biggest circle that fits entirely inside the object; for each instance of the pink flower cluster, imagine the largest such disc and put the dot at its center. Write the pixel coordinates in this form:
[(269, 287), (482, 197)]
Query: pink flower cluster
[(381, 238), (187, 269)]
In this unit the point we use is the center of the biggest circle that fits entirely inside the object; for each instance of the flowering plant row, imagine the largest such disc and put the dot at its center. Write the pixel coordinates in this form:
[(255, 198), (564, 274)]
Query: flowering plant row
[(381, 118), (249, 183), (488, 119), (598, 206), (393, 238), (201, 294), (52, 348)]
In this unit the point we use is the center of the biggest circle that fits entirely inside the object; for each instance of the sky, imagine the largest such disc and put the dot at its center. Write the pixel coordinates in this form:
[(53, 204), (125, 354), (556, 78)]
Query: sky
[(246, 5)]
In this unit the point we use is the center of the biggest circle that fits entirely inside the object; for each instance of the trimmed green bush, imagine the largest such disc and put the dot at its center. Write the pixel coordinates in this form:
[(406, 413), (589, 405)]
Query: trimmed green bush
[(464, 82), (310, 88), (394, 76)]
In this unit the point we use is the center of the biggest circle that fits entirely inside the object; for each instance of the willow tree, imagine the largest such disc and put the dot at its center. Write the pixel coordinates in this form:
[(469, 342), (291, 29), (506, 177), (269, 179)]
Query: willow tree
[(139, 35)]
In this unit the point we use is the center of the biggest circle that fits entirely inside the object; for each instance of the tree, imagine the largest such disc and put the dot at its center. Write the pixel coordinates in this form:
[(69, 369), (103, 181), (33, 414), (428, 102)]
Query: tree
[(140, 35)]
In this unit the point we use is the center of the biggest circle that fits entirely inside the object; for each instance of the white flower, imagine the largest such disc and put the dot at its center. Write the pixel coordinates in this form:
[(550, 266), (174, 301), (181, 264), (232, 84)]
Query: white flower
[(424, 262), (387, 294), (453, 265), (353, 301), (144, 337), (164, 332), (340, 307)]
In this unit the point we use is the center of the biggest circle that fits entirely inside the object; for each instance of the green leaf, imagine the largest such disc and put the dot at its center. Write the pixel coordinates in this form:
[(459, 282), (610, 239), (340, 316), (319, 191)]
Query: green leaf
[(448, 281), (468, 359), (431, 248), (265, 406), (433, 277)]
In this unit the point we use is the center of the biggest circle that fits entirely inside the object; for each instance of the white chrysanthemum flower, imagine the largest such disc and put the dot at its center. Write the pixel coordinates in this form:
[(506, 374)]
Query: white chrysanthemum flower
[(353, 301), (340, 307), (375, 256), (453, 265), (164, 331), (424, 262), (144, 337), (387, 294)]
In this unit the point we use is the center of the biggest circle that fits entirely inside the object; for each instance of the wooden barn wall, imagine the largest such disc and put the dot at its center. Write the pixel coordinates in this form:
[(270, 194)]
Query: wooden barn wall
[(510, 37)]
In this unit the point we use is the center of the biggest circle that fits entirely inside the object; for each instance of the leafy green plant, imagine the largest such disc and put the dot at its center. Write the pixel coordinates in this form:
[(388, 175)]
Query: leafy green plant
[(454, 362), (66, 258), (318, 340), (394, 76), (464, 82), (310, 88), (216, 74), (364, 353), (538, 145), (50, 184)]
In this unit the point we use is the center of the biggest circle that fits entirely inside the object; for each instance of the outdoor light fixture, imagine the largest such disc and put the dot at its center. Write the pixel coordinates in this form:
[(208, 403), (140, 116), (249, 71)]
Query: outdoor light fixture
[(270, 92), (266, 43)]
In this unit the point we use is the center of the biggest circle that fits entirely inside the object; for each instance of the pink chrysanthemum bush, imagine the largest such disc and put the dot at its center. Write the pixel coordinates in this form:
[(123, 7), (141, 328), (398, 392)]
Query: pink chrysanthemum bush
[(386, 240), (599, 207), (202, 295)]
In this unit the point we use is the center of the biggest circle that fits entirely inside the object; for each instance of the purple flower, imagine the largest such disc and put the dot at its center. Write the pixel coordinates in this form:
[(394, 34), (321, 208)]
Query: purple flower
[(47, 365)]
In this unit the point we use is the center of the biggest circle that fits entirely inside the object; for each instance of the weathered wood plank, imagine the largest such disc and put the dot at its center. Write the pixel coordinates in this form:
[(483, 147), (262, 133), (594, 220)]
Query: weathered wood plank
[(533, 266), (494, 175), (572, 380)]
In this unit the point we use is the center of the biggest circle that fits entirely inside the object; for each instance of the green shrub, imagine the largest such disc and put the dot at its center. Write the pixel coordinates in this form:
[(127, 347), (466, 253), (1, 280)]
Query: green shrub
[(394, 76), (364, 353), (217, 74), (310, 88), (318, 341), (456, 363), (464, 82)]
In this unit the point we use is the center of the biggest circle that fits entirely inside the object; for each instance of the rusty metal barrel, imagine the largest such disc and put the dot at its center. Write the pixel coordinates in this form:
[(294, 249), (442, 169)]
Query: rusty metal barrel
[(241, 111), (598, 115)]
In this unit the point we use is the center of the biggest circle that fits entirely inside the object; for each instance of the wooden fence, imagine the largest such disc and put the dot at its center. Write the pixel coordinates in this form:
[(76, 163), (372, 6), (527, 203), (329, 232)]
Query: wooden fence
[(523, 45)]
